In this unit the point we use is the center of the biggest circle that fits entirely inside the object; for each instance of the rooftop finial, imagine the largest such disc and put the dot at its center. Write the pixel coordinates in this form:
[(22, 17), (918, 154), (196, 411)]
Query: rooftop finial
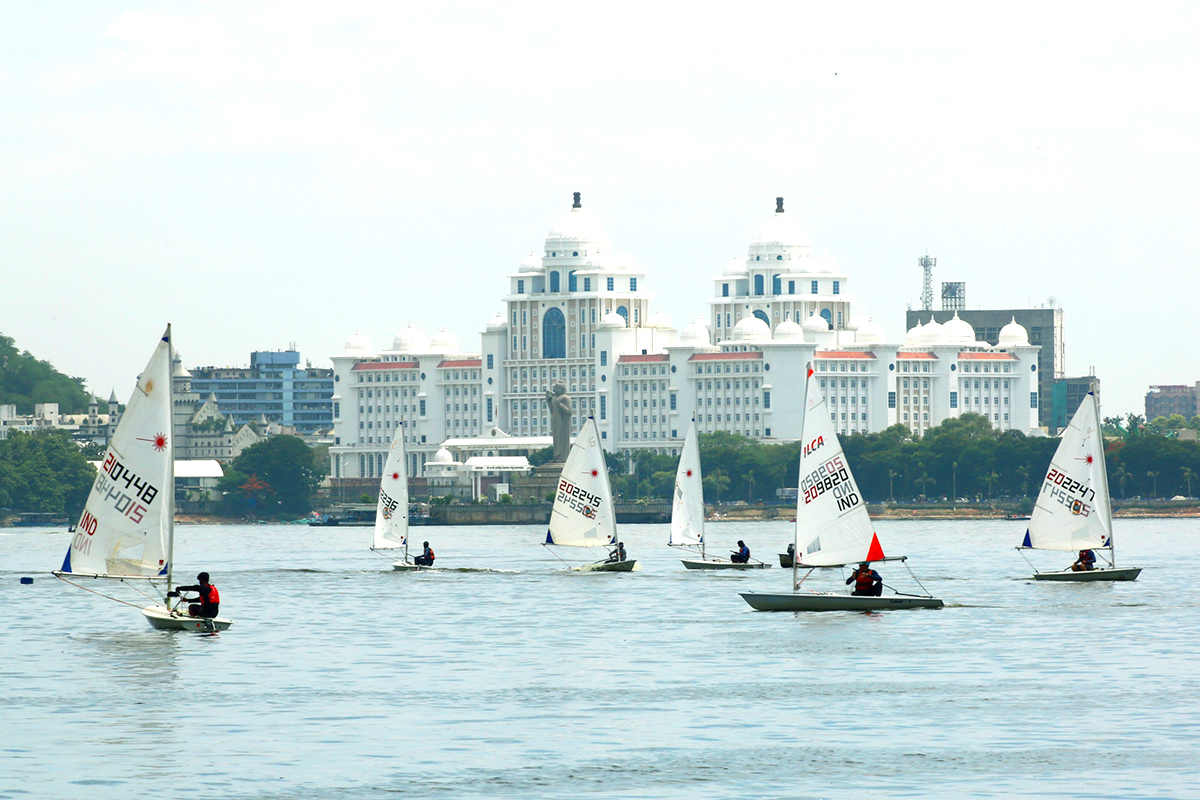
[(577, 203), (778, 205)]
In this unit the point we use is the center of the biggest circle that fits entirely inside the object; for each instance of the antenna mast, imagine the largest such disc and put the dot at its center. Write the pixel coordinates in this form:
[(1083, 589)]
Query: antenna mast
[(927, 264)]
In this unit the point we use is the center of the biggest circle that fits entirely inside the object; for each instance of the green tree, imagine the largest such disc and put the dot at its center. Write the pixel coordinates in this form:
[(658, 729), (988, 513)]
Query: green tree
[(286, 466), (25, 381)]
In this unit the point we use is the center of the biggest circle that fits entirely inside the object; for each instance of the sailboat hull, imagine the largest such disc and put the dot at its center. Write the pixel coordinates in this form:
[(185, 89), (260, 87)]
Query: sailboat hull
[(835, 602), (610, 566), (721, 564), (163, 619), (1090, 575)]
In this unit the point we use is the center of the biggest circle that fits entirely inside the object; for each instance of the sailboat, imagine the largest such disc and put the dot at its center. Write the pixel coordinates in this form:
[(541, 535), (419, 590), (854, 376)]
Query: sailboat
[(687, 511), (391, 513), (833, 528), (1073, 510), (583, 514), (127, 530)]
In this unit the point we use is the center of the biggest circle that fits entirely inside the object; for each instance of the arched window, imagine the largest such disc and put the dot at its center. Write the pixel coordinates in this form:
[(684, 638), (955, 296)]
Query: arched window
[(828, 317), (554, 334), (763, 316), (554, 281), (758, 285), (572, 286), (776, 285), (624, 312)]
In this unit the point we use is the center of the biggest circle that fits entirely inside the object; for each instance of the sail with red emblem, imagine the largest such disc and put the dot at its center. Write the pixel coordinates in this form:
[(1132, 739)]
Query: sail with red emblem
[(832, 524), (583, 509), (687, 511), (125, 528), (391, 513), (1073, 510)]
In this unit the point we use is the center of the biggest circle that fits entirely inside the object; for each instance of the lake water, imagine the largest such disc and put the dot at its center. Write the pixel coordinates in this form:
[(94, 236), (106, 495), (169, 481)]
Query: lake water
[(341, 678)]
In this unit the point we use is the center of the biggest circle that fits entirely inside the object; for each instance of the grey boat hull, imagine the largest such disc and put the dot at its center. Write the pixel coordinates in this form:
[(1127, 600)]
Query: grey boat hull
[(1089, 575), (708, 563), (806, 601)]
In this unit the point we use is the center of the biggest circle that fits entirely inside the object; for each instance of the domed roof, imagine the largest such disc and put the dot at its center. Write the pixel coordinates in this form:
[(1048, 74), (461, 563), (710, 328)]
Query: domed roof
[(751, 328), (735, 266), (815, 324), (913, 337), (931, 332), (411, 340), (789, 331), (612, 320), (695, 333), (658, 320), (870, 332), (1013, 335), (357, 345), (531, 263), (497, 323), (442, 456), (577, 225), (782, 229), (855, 321), (443, 342), (958, 331)]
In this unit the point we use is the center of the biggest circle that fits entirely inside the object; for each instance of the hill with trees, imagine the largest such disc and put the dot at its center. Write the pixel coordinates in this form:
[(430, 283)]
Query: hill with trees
[(26, 381)]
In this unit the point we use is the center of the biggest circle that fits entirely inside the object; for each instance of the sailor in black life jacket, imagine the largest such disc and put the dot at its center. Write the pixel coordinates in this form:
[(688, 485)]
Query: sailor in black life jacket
[(866, 581), (209, 599), (426, 557)]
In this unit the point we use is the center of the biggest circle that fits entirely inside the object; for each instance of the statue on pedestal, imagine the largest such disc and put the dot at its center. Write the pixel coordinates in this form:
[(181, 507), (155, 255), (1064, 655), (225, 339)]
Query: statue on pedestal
[(560, 421)]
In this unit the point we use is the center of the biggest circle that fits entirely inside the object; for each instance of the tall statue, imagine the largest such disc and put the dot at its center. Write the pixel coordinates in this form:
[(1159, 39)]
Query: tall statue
[(560, 421)]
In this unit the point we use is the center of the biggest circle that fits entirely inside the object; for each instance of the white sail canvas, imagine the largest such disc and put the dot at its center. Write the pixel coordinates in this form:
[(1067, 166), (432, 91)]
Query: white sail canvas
[(125, 526), (583, 510), (1073, 510), (391, 513), (687, 512), (832, 524)]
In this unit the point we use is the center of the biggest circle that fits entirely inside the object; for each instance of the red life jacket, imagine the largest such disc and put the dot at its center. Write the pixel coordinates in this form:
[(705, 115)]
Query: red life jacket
[(862, 580), (429, 552), (212, 597)]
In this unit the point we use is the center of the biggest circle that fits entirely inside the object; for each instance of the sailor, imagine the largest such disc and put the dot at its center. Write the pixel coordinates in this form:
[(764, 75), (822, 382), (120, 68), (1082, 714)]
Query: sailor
[(426, 557), (1085, 562), (618, 553), (209, 599), (742, 556), (867, 582)]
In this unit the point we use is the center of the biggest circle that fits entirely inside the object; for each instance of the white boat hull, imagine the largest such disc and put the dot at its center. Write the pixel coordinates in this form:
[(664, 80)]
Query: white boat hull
[(401, 566), (164, 619), (1089, 575), (808, 601), (712, 563), (610, 566)]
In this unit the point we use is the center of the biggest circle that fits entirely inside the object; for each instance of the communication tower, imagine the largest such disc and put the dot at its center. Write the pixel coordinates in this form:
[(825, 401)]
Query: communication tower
[(927, 264)]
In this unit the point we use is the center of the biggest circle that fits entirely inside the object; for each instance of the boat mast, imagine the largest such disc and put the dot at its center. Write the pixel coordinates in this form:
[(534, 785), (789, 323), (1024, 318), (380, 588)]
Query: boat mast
[(1112, 547), (169, 505)]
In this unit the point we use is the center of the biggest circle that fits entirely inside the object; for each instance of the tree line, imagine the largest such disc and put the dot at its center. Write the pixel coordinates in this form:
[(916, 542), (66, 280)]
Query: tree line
[(963, 458)]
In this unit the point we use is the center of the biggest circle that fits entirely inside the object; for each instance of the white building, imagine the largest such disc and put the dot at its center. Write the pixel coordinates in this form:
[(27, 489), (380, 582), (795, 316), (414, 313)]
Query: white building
[(580, 314)]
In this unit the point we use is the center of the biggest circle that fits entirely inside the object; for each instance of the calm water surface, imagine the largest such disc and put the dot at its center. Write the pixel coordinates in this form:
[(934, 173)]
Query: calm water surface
[(341, 678)]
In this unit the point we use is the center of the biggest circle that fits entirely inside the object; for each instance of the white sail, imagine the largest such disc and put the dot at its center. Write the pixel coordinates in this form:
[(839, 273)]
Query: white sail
[(125, 527), (687, 512), (391, 514), (832, 524), (583, 510), (1073, 510)]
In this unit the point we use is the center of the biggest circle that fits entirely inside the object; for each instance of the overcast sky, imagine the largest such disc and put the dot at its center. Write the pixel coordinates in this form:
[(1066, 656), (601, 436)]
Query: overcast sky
[(262, 174)]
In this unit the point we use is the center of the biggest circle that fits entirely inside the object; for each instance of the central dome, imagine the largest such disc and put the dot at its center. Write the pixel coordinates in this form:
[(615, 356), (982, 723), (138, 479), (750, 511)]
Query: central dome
[(781, 230), (577, 225)]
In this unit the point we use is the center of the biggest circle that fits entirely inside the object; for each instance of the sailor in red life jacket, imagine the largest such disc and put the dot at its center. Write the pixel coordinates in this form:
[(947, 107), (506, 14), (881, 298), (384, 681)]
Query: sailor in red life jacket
[(742, 556), (210, 598), (866, 581), (426, 557), (1085, 562)]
